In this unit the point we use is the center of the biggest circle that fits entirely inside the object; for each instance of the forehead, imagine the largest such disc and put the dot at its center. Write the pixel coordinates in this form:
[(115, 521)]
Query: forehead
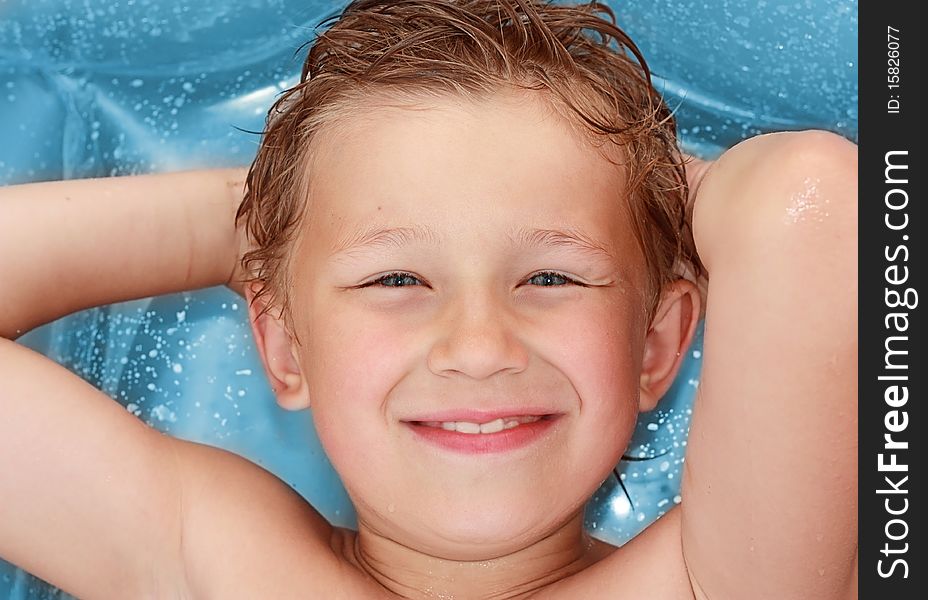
[(457, 166)]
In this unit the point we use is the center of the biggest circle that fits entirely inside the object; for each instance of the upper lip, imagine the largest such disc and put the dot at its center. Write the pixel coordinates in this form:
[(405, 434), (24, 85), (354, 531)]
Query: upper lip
[(480, 416)]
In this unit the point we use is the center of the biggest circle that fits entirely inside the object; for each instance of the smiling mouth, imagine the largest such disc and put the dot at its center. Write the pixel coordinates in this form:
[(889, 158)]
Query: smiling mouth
[(501, 435), (494, 426)]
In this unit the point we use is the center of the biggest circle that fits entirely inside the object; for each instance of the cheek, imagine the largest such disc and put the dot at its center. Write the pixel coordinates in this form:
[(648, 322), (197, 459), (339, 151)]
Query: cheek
[(350, 357), (351, 363), (599, 350), (599, 347)]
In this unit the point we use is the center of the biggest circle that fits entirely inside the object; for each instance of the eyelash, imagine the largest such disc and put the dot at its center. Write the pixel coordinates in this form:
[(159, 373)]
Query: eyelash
[(403, 275)]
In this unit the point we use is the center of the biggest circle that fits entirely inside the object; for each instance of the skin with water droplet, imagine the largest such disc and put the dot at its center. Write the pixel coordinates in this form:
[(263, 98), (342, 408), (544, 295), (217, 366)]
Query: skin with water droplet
[(807, 204)]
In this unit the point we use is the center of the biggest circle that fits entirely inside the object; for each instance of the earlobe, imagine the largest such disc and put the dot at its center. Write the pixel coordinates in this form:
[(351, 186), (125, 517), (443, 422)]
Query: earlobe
[(670, 334), (278, 354)]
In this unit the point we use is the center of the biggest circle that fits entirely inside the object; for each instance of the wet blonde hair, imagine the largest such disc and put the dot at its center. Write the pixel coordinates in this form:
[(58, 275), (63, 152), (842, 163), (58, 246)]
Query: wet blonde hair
[(574, 56)]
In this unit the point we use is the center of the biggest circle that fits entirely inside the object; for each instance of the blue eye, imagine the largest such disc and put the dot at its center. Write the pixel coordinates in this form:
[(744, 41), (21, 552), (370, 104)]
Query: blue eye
[(550, 279), (395, 280), (400, 279)]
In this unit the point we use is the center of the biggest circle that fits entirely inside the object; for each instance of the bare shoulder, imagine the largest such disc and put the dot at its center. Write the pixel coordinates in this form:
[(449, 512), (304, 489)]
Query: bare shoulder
[(649, 566), (125, 511), (247, 534), (770, 484)]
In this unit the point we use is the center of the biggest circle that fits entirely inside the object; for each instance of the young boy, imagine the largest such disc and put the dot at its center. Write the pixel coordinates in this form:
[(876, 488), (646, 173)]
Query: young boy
[(463, 244)]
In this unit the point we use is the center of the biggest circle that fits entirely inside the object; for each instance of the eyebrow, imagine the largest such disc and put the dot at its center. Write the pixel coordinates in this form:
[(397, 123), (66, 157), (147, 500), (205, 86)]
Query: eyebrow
[(570, 238), (396, 237)]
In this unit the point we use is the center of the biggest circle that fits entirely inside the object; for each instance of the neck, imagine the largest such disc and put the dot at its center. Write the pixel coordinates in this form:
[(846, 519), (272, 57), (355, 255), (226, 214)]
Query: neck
[(412, 574)]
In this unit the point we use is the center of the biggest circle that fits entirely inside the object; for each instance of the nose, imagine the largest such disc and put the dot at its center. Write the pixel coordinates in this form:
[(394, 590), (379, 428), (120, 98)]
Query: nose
[(476, 338)]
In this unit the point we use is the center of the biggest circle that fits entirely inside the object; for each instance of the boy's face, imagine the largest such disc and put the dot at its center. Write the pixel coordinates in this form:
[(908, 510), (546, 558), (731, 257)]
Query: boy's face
[(477, 196)]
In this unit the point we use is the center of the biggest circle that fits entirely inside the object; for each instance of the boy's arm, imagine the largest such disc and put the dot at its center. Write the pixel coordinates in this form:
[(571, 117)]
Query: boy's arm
[(770, 480), (89, 496), (91, 499), (70, 245)]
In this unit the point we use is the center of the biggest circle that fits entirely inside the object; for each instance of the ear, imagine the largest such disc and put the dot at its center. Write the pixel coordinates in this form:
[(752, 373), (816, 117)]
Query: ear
[(668, 337), (278, 353)]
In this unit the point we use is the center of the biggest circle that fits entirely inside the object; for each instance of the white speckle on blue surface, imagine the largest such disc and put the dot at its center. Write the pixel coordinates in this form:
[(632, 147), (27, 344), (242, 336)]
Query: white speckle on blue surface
[(620, 505), (163, 413)]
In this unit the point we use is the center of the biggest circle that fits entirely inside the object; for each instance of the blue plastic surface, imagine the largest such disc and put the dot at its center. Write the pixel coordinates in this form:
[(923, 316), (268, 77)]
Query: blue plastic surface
[(94, 88)]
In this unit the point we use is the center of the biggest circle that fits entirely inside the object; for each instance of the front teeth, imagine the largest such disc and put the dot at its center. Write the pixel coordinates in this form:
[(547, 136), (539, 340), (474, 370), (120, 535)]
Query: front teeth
[(491, 427)]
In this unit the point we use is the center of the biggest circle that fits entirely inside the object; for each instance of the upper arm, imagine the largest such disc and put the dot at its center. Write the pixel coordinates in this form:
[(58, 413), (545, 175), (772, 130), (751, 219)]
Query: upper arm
[(88, 494), (770, 479), (102, 506), (247, 534)]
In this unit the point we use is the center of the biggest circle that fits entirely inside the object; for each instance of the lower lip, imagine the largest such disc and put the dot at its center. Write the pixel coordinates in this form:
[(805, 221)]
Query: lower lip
[(484, 443)]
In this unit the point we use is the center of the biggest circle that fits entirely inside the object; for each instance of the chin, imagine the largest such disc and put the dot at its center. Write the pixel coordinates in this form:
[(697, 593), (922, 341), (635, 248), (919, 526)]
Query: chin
[(483, 531)]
